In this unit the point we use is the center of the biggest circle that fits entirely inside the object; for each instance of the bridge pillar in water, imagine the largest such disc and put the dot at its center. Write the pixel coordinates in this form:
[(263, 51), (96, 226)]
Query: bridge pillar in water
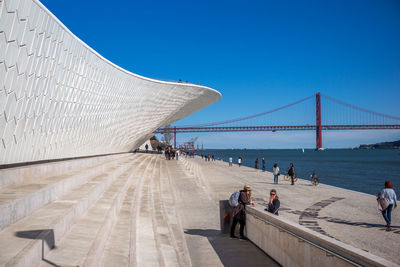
[(318, 127)]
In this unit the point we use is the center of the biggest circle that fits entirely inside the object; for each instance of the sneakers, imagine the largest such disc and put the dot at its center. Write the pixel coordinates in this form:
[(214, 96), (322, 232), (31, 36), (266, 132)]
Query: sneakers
[(242, 238)]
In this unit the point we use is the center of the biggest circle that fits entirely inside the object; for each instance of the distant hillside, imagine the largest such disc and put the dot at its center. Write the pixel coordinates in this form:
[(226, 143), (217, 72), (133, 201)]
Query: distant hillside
[(394, 144)]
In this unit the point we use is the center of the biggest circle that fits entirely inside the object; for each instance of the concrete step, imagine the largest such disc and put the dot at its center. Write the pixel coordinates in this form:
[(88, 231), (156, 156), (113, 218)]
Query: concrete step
[(168, 217), (20, 200), (21, 243), (198, 215), (117, 250), (146, 252), (30, 173), (159, 233), (164, 240), (87, 238), (121, 245)]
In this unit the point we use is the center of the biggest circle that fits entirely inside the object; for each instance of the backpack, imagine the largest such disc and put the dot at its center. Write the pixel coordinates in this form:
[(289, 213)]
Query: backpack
[(234, 199)]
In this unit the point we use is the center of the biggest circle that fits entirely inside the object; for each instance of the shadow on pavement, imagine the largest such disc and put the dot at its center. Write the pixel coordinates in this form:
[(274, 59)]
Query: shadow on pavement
[(233, 252), (46, 235)]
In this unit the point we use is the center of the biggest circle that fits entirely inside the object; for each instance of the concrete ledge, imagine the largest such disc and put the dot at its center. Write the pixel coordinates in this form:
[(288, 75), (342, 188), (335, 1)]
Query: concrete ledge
[(30, 173), (291, 244)]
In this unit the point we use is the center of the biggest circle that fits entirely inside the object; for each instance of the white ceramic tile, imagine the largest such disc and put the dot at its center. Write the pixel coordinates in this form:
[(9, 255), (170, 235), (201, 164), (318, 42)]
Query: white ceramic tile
[(11, 5), (65, 100)]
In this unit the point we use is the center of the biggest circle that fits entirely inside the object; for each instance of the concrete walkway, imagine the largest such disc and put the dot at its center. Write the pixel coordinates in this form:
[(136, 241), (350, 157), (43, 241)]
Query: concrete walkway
[(348, 216), (199, 214)]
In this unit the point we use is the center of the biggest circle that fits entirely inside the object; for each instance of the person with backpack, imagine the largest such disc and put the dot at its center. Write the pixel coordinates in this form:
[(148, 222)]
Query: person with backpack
[(238, 211), (274, 203)]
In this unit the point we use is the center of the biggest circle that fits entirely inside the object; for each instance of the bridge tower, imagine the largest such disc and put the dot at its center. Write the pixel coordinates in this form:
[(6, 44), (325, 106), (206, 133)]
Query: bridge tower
[(318, 127)]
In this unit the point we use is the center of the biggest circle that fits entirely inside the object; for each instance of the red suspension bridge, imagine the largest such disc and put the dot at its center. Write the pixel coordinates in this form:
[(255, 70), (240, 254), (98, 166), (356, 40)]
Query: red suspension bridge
[(371, 121)]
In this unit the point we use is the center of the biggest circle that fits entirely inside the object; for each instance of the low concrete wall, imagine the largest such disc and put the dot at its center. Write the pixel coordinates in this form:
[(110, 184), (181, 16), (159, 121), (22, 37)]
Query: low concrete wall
[(291, 244), (29, 173)]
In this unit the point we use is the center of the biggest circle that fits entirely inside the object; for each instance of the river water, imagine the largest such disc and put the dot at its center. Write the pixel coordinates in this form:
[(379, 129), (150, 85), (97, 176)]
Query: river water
[(361, 170)]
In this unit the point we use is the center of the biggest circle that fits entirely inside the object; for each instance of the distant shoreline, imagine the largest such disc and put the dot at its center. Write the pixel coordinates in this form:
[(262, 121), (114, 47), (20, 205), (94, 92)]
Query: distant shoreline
[(382, 145)]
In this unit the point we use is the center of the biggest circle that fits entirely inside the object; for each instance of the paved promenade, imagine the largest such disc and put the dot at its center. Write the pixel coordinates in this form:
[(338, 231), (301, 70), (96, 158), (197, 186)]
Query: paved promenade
[(348, 216), (199, 214), (142, 210)]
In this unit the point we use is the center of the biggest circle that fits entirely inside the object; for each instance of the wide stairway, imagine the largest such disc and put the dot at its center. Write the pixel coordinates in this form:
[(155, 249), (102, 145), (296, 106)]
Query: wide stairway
[(119, 210)]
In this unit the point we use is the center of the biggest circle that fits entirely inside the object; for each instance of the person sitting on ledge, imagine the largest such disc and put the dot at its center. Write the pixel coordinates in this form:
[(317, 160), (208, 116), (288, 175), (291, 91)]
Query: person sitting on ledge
[(274, 203), (238, 212)]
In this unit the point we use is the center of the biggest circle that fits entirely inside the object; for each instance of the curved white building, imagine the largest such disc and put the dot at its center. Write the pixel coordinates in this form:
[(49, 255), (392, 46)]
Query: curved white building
[(59, 98)]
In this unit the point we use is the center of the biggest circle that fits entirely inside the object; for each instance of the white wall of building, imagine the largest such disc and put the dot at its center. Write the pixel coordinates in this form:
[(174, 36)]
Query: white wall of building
[(59, 98)]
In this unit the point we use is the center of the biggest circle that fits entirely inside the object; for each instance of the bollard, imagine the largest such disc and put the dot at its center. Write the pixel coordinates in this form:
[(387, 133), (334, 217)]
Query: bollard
[(225, 211)]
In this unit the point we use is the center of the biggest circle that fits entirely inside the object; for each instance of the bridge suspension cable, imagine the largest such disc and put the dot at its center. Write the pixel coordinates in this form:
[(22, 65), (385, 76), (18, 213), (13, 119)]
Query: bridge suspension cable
[(360, 109), (251, 116)]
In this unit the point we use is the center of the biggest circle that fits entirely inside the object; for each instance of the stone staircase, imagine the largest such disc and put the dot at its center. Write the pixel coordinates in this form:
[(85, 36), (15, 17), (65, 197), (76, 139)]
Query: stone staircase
[(104, 211)]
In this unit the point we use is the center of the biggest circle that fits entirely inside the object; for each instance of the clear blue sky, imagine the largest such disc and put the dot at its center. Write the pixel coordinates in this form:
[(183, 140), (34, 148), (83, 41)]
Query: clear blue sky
[(258, 54)]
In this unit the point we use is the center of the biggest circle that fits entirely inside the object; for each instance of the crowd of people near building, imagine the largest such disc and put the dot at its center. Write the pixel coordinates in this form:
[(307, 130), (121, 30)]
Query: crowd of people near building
[(174, 153), (171, 153)]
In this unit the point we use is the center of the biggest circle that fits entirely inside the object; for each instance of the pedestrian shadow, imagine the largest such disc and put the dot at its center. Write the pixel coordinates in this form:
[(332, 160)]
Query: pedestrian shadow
[(263, 182), (46, 235), (360, 224), (233, 252)]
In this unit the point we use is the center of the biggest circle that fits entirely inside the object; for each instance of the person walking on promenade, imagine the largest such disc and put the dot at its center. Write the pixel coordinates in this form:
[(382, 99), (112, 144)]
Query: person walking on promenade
[(291, 173), (274, 203), (239, 212), (177, 154), (147, 148), (240, 161), (256, 164), (275, 171), (263, 164), (213, 157), (230, 161), (391, 198)]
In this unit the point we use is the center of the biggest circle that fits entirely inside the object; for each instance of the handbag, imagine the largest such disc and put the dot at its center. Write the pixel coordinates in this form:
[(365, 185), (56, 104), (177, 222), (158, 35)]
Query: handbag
[(382, 204)]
